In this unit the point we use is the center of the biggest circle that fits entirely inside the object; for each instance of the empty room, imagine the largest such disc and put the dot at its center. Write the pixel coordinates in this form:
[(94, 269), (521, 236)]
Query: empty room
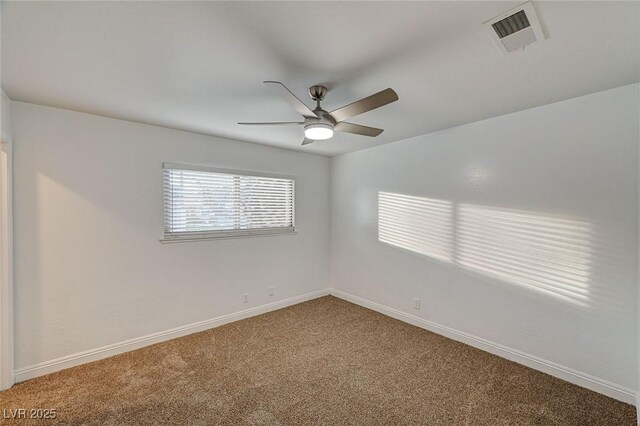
[(320, 213)]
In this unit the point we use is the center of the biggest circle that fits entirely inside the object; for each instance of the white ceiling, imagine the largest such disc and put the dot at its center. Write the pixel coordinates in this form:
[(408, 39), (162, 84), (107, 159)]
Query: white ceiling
[(200, 66)]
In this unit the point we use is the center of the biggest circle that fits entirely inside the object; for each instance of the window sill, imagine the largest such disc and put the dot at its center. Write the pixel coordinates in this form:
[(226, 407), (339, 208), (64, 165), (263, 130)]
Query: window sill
[(191, 239)]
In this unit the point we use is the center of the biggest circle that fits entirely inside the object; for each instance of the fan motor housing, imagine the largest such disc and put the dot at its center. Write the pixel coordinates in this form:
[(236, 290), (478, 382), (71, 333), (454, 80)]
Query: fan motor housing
[(322, 117)]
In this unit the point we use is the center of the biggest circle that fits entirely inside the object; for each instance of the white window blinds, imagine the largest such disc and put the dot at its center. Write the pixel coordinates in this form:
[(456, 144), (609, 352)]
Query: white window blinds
[(202, 203)]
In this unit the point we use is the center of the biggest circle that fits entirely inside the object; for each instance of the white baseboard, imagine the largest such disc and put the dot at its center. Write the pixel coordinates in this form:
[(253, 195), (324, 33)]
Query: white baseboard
[(565, 373), (73, 360)]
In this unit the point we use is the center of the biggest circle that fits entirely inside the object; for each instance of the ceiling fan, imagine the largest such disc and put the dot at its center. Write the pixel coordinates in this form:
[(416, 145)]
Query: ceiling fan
[(320, 124)]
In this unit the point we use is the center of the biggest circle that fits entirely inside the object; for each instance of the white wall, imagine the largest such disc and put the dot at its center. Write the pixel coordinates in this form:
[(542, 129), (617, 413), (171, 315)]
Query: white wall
[(89, 267), (537, 214), (5, 116)]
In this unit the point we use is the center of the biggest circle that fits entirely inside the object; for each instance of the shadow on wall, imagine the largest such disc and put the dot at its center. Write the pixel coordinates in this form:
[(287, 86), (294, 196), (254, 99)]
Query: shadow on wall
[(546, 254)]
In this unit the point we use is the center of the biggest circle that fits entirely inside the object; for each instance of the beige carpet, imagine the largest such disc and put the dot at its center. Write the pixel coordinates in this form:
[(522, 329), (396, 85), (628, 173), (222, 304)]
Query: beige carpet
[(321, 362)]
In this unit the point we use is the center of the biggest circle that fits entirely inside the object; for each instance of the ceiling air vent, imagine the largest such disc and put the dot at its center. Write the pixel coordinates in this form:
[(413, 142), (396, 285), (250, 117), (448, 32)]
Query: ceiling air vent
[(515, 29)]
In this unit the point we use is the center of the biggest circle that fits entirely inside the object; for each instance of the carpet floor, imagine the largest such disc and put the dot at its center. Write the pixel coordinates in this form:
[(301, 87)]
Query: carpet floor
[(327, 362)]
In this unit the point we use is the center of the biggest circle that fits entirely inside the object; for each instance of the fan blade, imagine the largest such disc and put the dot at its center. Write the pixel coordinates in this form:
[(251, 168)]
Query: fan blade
[(307, 141), (363, 105), (271, 123), (357, 129), (291, 99)]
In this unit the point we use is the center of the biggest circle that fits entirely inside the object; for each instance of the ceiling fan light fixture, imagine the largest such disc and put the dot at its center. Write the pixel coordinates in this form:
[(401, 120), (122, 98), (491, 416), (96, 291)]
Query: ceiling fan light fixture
[(318, 131)]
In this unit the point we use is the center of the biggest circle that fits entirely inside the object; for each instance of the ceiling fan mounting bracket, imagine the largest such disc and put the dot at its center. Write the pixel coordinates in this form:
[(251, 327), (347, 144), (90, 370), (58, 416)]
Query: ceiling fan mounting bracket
[(317, 92)]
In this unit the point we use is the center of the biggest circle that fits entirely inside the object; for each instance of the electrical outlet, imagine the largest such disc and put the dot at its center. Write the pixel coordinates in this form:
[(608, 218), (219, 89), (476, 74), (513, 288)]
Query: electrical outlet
[(416, 304), (246, 298), (271, 291)]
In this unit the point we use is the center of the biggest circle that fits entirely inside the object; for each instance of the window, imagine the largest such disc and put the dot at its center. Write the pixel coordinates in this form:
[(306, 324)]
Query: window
[(201, 202)]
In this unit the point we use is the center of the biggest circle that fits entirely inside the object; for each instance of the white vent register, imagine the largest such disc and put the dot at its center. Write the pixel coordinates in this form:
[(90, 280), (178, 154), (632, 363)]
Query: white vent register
[(515, 29)]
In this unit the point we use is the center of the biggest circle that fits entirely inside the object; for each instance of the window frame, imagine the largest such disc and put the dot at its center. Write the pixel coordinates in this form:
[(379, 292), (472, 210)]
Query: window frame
[(227, 233)]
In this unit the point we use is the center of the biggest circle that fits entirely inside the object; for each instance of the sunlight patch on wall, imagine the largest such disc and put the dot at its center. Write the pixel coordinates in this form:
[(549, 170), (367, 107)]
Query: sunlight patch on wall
[(547, 254), (544, 253), (422, 225)]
